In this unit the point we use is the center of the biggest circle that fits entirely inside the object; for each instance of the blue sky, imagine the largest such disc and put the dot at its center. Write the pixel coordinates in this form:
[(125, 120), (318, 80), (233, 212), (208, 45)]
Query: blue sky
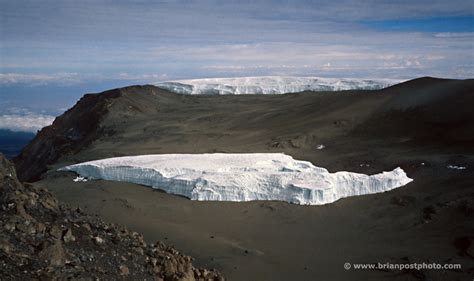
[(52, 52), (430, 24)]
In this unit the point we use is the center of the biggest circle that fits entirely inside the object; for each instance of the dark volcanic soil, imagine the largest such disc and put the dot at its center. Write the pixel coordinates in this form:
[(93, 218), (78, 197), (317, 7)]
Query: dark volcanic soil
[(43, 239), (422, 125)]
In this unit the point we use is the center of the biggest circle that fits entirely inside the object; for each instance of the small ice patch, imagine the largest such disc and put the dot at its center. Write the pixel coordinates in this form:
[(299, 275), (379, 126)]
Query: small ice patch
[(320, 147), (80, 179), (240, 177), (454, 167)]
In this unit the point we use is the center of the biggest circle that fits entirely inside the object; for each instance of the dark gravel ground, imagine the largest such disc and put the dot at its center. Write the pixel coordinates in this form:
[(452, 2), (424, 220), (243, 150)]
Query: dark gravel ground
[(43, 239)]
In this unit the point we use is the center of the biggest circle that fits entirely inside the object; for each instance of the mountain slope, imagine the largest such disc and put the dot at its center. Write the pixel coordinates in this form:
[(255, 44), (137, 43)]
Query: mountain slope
[(145, 119), (43, 239), (424, 126), (429, 111), (76, 128)]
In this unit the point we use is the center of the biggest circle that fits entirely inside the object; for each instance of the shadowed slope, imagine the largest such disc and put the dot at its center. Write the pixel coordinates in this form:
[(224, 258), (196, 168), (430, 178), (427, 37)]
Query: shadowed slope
[(145, 119), (422, 125)]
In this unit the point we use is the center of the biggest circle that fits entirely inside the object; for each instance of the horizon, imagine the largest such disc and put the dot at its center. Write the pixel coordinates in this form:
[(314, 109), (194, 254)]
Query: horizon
[(237, 140), (29, 120), (53, 52)]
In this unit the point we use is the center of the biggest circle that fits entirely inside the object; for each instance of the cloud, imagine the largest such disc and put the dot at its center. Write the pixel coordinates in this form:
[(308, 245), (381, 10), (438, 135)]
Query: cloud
[(467, 35), (140, 77), (67, 42), (68, 79), (39, 79), (331, 56), (25, 123)]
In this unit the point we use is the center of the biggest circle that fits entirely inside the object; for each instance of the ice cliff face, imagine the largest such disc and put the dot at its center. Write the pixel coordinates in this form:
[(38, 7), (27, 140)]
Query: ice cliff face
[(270, 85), (239, 177)]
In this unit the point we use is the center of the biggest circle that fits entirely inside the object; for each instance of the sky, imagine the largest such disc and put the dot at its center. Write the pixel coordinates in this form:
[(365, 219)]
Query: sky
[(52, 52)]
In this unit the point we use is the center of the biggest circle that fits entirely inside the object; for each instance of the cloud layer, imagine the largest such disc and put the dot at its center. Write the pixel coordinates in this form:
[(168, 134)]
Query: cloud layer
[(71, 42), (52, 51), (25, 123)]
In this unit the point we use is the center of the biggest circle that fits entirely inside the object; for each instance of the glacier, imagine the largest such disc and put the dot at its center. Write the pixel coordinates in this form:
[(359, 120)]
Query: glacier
[(270, 85), (239, 177)]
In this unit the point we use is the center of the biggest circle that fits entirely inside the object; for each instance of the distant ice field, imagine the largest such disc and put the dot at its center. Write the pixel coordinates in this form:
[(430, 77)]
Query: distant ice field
[(240, 177), (271, 85)]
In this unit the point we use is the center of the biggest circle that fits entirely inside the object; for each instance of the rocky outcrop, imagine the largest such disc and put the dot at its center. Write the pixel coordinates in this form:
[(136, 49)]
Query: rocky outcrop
[(73, 130), (44, 239)]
